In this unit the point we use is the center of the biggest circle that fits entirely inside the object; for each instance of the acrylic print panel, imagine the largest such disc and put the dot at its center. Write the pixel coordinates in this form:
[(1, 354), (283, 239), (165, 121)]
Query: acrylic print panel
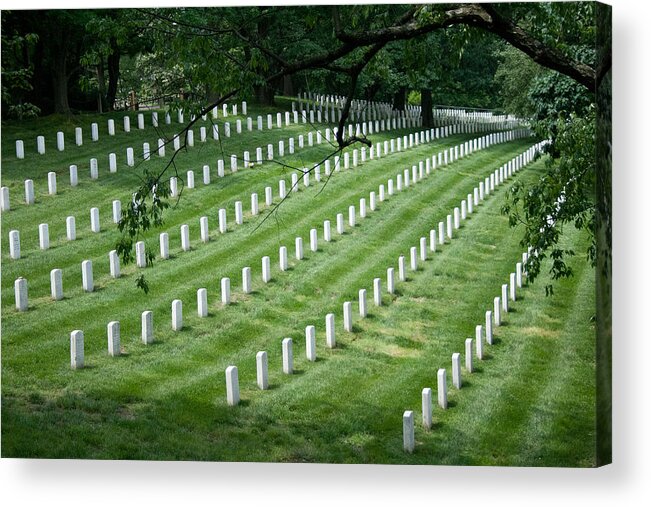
[(413, 287)]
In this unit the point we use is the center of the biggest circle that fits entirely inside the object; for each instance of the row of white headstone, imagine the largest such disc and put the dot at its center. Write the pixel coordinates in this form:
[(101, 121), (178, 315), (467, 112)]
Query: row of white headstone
[(126, 122), (491, 318), (306, 115)]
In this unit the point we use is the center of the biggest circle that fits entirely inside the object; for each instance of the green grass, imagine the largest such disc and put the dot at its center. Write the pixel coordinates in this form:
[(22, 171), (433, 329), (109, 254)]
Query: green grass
[(530, 402)]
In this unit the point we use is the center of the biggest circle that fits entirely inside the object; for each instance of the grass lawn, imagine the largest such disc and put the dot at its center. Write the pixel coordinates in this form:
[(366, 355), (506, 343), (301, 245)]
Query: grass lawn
[(530, 402)]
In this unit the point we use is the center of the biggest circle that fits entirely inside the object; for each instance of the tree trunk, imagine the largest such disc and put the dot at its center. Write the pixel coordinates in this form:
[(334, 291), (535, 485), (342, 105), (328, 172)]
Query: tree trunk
[(114, 75), (60, 84), (288, 86), (426, 107), (264, 94), (101, 87), (399, 98)]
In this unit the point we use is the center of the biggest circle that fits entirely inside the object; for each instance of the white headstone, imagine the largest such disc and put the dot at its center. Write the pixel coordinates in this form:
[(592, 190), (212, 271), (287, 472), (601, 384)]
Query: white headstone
[(14, 244), (71, 229), (147, 333), (351, 216), (442, 388), (330, 331), (246, 280), (268, 196), (456, 370), (77, 350), (427, 407), (94, 220), (114, 264), (29, 192), (177, 315), (283, 258), (266, 269), (505, 299), (340, 223), (4, 199), (362, 303), (222, 219), (262, 370), (113, 334), (239, 213), (497, 320), (60, 141), (310, 343), (87, 276), (20, 294), (20, 149), (326, 230), (232, 386), (512, 294), (185, 237), (489, 327), (348, 316), (52, 183), (408, 431), (288, 356), (226, 291), (164, 240), (478, 342), (468, 344), (299, 248), (40, 145), (43, 236)]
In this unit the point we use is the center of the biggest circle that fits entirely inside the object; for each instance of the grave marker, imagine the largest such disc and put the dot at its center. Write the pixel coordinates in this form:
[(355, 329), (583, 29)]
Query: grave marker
[(29, 192), (147, 327), (113, 332), (87, 276), (4, 199), (226, 291), (232, 386), (262, 370), (489, 327), (377, 291), (141, 262), (456, 370), (310, 343), (164, 245), (52, 183), (478, 342), (408, 431), (288, 356), (14, 244), (177, 315), (469, 355), (330, 331), (246, 280), (348, 316), (266, 269), (442, 388), (20, 294), (77, 350), (239, 214)]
